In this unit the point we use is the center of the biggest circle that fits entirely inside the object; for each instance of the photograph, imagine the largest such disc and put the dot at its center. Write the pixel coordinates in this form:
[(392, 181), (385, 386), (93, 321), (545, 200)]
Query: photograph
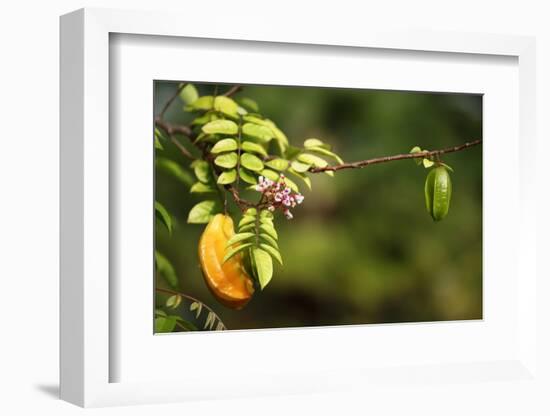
[(298, 206)]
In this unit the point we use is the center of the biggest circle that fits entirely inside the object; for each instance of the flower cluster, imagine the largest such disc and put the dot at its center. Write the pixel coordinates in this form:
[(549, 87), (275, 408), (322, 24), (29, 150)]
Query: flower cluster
[(279, 195)]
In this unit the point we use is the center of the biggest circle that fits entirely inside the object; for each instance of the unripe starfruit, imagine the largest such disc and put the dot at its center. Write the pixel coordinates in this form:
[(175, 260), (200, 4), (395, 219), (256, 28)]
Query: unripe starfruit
[(437, 190)]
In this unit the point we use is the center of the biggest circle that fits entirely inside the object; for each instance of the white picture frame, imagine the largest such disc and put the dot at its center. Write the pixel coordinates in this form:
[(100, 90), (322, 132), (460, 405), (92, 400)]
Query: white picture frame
[(87, 356)]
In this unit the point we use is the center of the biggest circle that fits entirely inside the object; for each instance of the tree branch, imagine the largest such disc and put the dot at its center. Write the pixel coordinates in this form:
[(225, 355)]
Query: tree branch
[(174, 128), (182, 148), (171, 130), (384, 159), (191, 298), (243, 204), (171, 100), (233, 90)]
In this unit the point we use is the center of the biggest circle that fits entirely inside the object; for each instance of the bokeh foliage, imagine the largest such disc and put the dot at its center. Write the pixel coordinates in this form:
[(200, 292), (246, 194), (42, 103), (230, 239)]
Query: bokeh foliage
[(361, 248)]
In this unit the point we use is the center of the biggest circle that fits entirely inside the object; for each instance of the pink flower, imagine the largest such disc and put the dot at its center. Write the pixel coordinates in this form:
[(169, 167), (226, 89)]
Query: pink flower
[(278, 195)]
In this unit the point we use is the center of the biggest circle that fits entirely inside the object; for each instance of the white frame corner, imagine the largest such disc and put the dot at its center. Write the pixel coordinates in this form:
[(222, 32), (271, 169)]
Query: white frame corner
[(84, 181)]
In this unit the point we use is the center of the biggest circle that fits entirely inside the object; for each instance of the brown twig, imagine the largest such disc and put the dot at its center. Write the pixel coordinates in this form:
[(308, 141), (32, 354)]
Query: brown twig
[(171, 100), (171, 130), (174, 128), (233, 90), (191, 298), (182, 148), (384, 159), (242, 203)]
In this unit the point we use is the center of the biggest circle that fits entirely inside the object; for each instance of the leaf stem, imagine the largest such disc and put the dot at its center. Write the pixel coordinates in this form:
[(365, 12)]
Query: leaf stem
[(191, 298), (239, 150)]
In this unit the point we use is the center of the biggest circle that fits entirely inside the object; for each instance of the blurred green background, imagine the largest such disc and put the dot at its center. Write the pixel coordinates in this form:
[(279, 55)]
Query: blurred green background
[(362, 248)]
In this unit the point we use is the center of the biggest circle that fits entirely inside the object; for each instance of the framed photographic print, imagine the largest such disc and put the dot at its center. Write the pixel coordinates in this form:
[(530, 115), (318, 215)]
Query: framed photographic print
[(286, 213), (356, 254)]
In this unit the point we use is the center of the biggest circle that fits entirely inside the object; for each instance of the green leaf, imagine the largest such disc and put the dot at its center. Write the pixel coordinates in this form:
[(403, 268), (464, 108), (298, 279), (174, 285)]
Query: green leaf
[(272, 252), (234, 250), (292, 185), (210, 320), (427, 163), (247, 227), (226, 106), (160, 135), (160, 312), (227, 177), (302, 176), (220, 127), (173, 301), (312, 160), (165, 324), (166, 269), (247, 176), (277, 164), (252, 212), (309, 143), (266, 214), (189, 94), (158, 144), (417, 160), (201, 188), (206, 102), (173, 169), (224, 145), (203, 212), (292, 151), (326, 152), (263, 265), (253, 147), (251, 162), (270, 174), (299, 166), (188, 326), (281, 138), (270, 240), (256, 119), (227, 160), (205, 118), (239, 237), (247, 219), (262, 133), (270, 230), (202, 170), (249, 104), (196, 306), (203, 137), (267, 220), (163, 216)]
